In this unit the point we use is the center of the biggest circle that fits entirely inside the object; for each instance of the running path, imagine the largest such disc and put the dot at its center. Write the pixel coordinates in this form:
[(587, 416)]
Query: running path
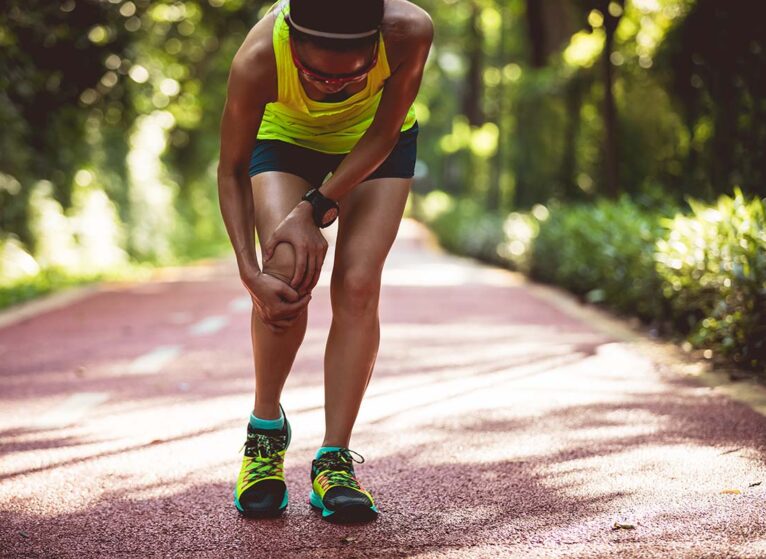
[(496, 425)]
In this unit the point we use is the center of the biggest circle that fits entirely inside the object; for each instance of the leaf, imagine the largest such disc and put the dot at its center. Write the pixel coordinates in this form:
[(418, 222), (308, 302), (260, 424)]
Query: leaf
[(595, 296), (347, 539), (731, 492), (623, 526)]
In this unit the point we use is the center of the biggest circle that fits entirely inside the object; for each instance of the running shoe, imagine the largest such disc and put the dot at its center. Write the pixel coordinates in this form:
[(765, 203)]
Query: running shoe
[(336, 491), (261, 490)]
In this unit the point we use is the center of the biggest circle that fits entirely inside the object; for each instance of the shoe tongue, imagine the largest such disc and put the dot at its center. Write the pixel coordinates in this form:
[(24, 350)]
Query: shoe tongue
[(264, 442), (340, 458)]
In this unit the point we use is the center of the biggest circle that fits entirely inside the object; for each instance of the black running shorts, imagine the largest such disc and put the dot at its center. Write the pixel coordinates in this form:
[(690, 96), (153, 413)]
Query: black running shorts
[(313, 166)]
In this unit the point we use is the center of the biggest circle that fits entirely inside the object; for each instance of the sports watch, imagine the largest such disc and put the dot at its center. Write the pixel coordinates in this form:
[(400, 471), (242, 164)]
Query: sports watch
[(325, 209)]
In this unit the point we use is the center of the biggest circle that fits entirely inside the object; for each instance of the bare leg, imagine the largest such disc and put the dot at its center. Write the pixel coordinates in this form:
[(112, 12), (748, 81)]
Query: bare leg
[(275, 194), (367, 225)]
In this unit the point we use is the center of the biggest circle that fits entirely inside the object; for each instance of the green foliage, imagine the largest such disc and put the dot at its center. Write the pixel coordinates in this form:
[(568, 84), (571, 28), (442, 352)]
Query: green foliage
[(712, 61), (603, 251), (521, 230), (511, 106), (701, 274), (78, 81), (48, 280), (713, 266), (688, 87), (57, 278), (465, 227), (17, 286), (46, 63)]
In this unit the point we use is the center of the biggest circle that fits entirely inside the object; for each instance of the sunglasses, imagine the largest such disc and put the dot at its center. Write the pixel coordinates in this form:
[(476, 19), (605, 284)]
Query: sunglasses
[(333, 79)]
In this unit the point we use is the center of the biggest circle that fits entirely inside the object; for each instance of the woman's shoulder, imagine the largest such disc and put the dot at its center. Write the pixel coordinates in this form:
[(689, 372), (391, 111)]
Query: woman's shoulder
[(405, 26), (256, 53)]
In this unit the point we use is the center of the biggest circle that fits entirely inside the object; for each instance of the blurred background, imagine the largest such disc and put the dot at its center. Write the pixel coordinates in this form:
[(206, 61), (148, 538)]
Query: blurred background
[(617, 149)]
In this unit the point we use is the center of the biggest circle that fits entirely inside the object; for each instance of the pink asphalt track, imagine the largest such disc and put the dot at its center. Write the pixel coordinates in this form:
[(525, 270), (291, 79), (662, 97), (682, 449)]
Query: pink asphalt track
[(495, 425)]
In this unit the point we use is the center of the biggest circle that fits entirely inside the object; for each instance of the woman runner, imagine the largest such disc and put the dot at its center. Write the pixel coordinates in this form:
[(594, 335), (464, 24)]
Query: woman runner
[(318, 87)]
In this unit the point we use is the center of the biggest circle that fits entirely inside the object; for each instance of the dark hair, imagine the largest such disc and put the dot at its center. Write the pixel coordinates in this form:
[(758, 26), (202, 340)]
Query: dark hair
[(336, 16)]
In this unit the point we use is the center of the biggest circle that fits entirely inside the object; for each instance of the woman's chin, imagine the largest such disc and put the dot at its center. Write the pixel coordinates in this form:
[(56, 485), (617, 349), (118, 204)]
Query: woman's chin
[(328, 90)]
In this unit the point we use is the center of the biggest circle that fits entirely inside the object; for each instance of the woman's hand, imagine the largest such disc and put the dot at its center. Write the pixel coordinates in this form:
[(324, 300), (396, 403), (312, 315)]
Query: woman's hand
[(275, 302), (309, 246)]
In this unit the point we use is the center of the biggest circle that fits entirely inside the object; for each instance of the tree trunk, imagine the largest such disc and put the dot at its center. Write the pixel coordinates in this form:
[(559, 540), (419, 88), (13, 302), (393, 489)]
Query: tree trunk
[(611, 149), (471, 106), (498, 164), (611, 154), (573, 101)]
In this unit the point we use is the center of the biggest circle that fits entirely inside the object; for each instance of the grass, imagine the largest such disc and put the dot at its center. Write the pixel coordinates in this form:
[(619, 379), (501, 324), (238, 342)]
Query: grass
[(55, 279)]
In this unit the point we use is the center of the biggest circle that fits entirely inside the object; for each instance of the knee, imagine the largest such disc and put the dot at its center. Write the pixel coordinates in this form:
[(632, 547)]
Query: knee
[(282, 262), (355, 291)]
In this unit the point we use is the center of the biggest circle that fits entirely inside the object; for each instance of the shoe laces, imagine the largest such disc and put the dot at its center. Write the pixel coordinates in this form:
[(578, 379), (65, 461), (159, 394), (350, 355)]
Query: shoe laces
[(264, 451), (339, 466)]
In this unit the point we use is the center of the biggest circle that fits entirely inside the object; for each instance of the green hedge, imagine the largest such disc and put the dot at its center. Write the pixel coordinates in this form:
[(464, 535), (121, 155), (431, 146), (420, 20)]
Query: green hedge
[(698, 273), (17, 287), (713, 267), (605, 252), (464, 228)]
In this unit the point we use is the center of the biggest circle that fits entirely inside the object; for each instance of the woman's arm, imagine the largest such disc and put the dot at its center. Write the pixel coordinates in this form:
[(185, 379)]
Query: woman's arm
[(399, 93), (251, 85)]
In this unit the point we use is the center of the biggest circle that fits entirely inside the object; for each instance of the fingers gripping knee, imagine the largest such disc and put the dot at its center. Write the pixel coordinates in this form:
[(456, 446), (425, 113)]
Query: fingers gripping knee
[(282, 263)]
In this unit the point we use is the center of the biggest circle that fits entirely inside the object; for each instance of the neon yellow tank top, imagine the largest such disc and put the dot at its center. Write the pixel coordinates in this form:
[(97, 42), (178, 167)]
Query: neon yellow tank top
[(333, 127)]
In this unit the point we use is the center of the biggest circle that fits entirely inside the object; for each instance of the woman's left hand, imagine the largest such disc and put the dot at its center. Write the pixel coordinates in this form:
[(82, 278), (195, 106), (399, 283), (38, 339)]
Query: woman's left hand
[(309, 246)]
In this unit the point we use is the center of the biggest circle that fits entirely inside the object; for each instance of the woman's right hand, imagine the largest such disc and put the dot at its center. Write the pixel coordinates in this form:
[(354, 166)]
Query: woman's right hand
[(276, 303)]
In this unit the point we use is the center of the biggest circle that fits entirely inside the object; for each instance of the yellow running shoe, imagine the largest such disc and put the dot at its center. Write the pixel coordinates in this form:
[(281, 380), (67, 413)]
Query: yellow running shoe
[(261, 490), (336, 491)]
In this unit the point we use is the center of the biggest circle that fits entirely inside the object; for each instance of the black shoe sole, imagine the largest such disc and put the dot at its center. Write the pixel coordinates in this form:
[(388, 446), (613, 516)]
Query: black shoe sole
[(262, 514)]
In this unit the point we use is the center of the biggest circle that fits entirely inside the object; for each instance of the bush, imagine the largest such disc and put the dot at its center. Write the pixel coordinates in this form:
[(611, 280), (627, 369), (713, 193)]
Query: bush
[(464, 227), (603, 251), (713, 266)]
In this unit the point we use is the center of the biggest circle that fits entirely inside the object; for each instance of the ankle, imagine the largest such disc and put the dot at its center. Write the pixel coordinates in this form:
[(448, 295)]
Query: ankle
[(267, 410), (259, 422)]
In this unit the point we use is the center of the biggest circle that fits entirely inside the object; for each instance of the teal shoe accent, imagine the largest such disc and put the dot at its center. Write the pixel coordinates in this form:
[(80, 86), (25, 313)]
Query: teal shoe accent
[(258, 423), (323, 449), (289, 434), (317, 503)]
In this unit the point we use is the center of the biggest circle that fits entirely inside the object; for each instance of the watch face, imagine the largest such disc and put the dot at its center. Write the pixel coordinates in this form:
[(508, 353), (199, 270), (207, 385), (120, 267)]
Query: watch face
[(329, 215)]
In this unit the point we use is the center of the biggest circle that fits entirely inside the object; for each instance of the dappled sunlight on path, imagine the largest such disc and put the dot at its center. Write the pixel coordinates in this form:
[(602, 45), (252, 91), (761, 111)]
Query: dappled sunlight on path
[(495, 424)]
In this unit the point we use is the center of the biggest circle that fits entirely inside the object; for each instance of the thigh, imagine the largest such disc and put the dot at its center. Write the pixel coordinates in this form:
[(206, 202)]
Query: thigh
[(368, 222), (275, 194)]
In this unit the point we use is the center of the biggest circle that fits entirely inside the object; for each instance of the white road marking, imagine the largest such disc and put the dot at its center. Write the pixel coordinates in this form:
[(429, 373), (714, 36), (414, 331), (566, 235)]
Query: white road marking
[(241, 304), (154, 360), (71, 410), (208, 325)]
